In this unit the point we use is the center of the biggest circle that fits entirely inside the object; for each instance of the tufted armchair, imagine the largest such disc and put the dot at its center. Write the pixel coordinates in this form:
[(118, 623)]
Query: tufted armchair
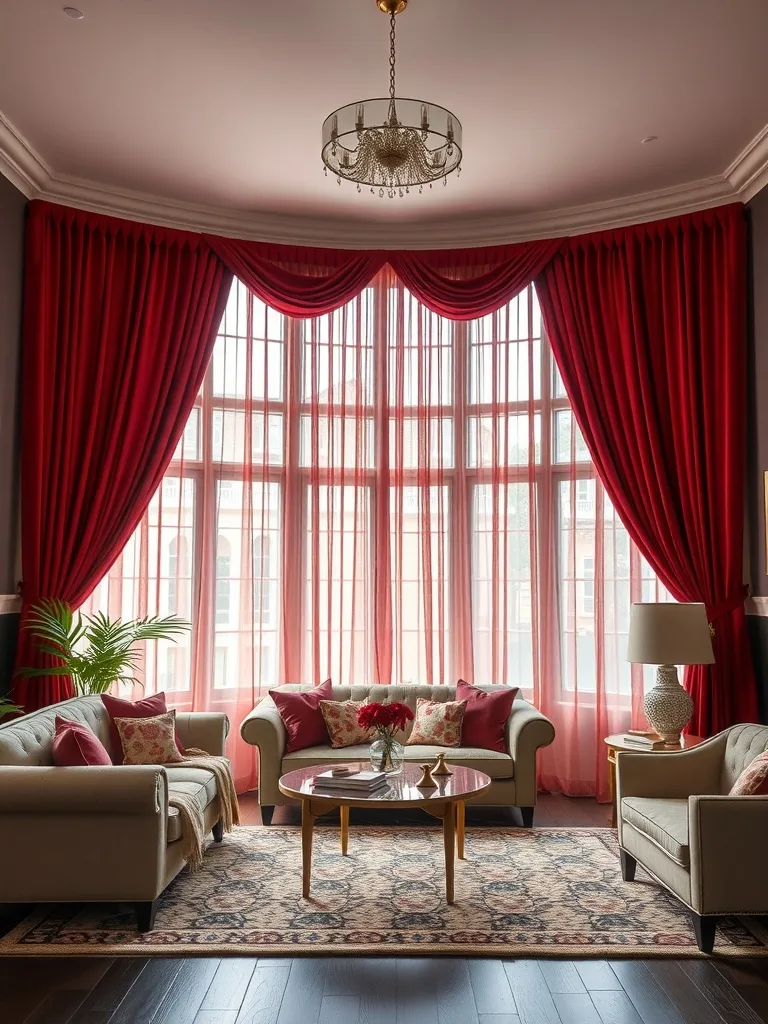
[(676, 819)]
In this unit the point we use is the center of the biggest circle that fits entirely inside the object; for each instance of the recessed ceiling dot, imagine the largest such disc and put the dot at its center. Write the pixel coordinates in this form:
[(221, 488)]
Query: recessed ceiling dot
[(650, 138), (72, 12)]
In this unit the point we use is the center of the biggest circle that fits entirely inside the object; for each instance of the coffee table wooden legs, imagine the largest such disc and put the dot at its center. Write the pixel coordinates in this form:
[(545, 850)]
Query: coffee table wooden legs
[(344, 813), (460, 808), (449, 843), (307, 823)]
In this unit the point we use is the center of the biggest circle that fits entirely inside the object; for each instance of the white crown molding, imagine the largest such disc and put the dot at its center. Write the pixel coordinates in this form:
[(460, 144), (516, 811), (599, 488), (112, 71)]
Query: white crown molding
[(10, 604), (31, 174)]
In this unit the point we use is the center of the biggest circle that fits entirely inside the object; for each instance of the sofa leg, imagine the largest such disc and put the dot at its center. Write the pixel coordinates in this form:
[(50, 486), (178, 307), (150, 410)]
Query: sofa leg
[(527, 816), (266, 814), (705, 925), (145, 914), (628, 866), (218, 831)]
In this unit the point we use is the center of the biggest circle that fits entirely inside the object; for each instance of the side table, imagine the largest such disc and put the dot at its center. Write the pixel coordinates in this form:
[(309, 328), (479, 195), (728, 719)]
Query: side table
[(617, 743)]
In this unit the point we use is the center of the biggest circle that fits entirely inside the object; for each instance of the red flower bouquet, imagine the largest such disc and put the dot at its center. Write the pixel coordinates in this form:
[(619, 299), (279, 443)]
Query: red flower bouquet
[(385, 719)]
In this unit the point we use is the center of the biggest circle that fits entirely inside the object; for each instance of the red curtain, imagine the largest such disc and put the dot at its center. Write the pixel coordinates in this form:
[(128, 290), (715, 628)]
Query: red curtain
[(461, 284), (648, 328), (119, 324)]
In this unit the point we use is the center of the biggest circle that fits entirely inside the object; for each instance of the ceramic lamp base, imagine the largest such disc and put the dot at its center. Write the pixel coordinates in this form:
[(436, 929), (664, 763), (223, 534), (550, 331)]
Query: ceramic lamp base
[(668, 707)]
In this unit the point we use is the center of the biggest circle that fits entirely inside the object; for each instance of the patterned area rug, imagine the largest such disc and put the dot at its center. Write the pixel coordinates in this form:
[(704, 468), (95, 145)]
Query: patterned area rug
[(544, 893)]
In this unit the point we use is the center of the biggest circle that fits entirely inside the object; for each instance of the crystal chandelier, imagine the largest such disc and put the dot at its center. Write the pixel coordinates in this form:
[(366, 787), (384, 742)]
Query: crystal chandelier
[(392, 144)]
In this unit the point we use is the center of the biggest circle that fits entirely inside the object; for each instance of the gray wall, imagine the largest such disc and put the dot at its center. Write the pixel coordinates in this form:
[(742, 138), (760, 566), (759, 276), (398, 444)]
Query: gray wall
[(757, 447), (12, 211)]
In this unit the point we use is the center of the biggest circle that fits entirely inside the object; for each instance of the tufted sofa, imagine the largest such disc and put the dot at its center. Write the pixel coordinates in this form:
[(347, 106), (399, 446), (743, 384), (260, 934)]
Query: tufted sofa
[(677, 820), (104, 834), (513, 772)]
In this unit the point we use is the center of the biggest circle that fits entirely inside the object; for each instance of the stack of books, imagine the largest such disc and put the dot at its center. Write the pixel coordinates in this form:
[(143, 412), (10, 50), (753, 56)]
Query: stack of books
[(357, 781), (644, 740)]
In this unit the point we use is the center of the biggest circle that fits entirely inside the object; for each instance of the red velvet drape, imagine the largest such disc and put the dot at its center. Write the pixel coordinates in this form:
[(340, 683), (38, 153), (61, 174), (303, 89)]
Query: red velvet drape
[(119, 324), (648, 328), (460, 284)]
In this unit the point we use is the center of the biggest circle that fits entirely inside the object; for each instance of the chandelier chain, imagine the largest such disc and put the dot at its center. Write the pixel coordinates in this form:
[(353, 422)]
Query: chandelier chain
[(392, 55)]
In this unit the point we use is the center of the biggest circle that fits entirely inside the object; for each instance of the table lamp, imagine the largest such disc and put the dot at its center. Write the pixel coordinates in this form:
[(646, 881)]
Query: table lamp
[(669, 635)]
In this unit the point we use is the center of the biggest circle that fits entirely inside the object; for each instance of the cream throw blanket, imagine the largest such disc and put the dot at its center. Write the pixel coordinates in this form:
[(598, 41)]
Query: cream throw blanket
[(191, 814)]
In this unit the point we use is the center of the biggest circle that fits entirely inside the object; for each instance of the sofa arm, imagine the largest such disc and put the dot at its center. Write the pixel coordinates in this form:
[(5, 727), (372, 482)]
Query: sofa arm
[(676, 774), (203, 730), (527, 730), (728, 837), (263, 728), (120, 789)]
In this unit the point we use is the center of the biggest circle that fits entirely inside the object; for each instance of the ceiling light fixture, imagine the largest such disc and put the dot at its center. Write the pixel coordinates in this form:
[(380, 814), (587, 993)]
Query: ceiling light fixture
[(392, 144), (649, 138), (72, 12)]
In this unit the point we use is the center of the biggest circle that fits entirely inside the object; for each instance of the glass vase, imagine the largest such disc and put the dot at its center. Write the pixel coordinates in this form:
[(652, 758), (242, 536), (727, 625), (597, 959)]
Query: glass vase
[(387, 755)]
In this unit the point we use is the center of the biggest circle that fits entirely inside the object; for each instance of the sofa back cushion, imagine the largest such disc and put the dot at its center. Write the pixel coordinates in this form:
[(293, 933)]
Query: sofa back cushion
[(28, 741), (743, 744), (408, 694)]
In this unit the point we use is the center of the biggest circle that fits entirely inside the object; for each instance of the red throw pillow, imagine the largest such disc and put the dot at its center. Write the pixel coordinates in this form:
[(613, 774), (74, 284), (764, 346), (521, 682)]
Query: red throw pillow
[(76, 746), (302, 717), (486, 716), (148, 707)]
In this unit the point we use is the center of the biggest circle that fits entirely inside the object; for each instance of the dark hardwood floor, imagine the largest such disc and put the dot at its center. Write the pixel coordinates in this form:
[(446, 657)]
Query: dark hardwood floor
[(349, 990)]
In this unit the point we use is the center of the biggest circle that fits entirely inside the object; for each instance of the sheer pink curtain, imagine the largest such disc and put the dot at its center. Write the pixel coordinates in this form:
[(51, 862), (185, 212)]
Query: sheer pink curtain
[(385, 495)]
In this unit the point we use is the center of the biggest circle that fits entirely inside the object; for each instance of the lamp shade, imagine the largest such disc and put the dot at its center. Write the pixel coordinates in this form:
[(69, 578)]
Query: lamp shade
[(669, 634)]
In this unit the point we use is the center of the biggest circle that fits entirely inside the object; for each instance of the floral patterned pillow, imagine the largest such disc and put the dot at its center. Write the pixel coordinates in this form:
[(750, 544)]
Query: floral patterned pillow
[(149, 740), (340, 719), (753, 781), (438, 723)]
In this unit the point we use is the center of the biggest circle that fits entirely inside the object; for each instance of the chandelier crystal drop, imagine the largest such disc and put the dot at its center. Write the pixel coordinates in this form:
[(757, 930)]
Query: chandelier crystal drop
[(391, 143)]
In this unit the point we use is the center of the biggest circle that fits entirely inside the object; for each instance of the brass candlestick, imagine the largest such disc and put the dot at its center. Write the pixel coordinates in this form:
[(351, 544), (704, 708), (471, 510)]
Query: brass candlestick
[(426, 781), (440, 767)]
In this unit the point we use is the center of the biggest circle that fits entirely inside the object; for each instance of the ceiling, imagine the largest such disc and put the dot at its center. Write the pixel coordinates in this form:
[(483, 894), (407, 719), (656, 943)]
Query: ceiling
[(208, 112)]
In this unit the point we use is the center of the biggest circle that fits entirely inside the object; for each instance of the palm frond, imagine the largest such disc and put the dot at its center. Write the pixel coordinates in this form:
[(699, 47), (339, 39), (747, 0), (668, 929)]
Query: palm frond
[(95, 650)]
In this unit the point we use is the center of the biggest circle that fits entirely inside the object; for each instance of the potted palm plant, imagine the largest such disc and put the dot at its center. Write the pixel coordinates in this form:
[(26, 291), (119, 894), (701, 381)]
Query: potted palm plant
[(95, 651)]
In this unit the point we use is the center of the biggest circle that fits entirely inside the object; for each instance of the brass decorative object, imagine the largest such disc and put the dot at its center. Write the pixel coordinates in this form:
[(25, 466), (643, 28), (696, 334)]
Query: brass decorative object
[(440, 767), (392, 144), (426, 781)]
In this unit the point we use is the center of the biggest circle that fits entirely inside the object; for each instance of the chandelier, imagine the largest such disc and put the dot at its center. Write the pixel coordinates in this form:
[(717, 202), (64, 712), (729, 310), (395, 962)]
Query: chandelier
[(392, 144)]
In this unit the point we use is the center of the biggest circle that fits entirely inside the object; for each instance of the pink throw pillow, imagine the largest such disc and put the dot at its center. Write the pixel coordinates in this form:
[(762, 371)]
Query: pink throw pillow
[(341, 722), (437, 723), (485, 719), (116, 707), (753, 781), (302, 717), (76, 746), (149, 740)]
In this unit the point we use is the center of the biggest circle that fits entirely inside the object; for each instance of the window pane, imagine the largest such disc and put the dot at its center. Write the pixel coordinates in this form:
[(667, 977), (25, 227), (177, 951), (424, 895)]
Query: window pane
[(420, 543), (425, 444), (248, 572), (338, 590), (229, 441), (502, 605), (502, 372), (337, 355), (188, 447), (502, 440), (336, 442), (420, 370), (569, 446)]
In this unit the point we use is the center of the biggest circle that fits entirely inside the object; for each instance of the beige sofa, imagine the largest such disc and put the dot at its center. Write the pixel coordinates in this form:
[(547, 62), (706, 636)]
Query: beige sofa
[(676, 819), (95, 834), (513, 772)]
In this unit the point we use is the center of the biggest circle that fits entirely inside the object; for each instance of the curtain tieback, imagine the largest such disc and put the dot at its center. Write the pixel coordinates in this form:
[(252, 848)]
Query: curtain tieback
[(728, 605)]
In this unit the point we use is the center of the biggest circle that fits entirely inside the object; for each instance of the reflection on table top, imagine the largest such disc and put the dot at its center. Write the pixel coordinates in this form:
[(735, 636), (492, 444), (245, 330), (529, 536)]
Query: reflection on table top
[(464, 782)]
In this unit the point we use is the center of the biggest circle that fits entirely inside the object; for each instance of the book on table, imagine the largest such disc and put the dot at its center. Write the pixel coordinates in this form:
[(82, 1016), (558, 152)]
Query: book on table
[(643, 742), (362, 780)]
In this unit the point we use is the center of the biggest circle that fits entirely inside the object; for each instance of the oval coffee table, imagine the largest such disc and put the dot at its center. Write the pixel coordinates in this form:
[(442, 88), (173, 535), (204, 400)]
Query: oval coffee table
[(445, 802)]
